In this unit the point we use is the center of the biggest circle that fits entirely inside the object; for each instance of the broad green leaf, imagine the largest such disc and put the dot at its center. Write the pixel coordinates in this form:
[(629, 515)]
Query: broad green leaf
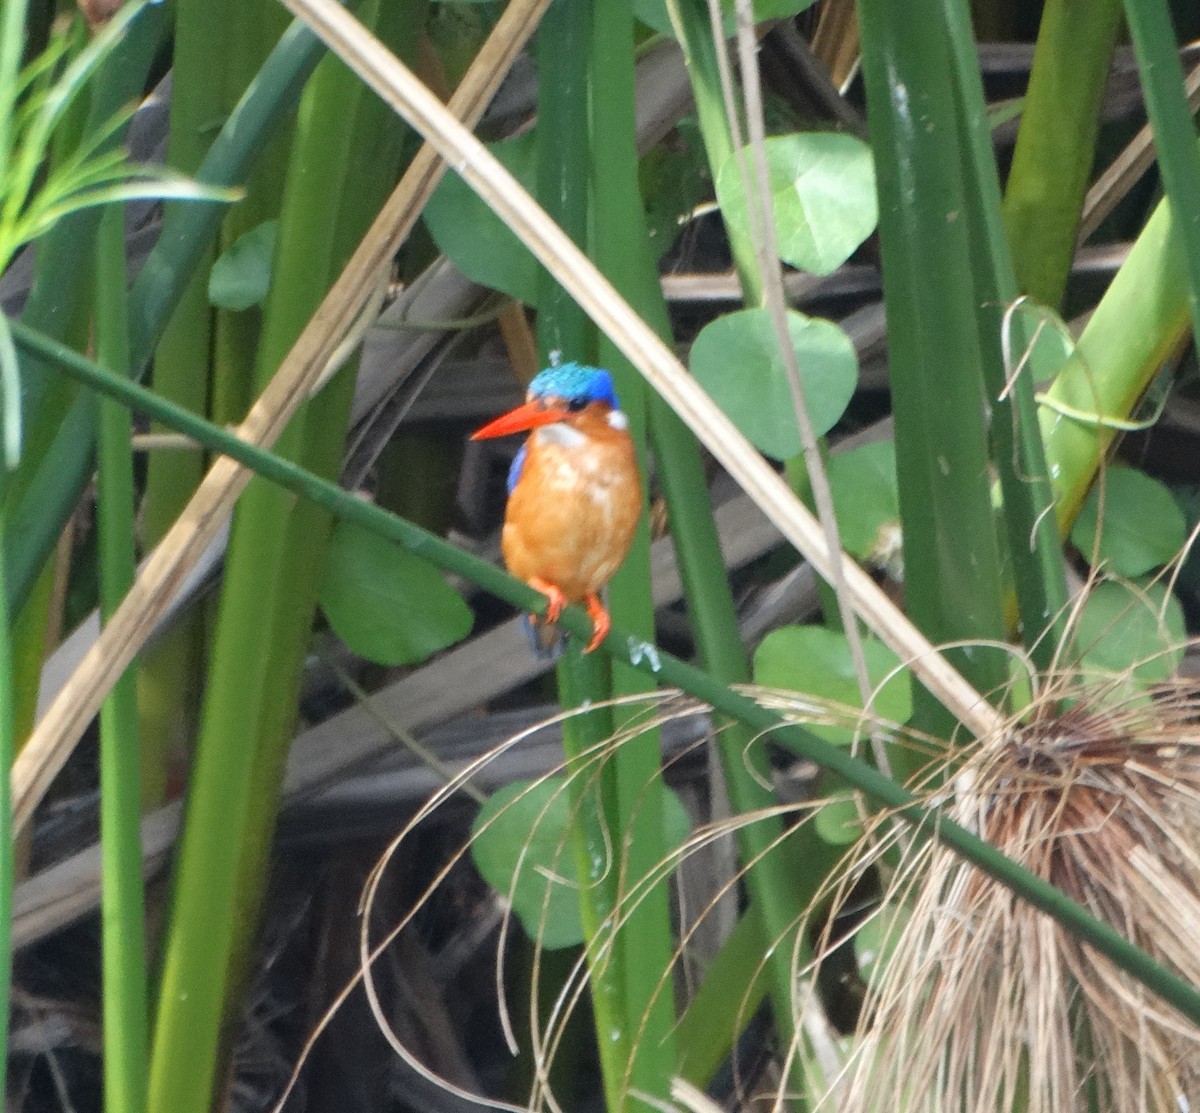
[(817, 662), (477, 241), (737, 361), (823, 192), (385, 603), (522, 832), (1143, 527), (1127, 628), (241, 277), (866, 499)]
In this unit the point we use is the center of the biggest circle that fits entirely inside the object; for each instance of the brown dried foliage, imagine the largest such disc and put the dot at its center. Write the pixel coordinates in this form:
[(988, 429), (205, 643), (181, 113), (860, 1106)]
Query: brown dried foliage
[(986, 1004)]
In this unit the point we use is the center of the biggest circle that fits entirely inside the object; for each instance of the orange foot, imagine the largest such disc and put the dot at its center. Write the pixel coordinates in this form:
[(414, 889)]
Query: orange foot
[(557, 599), (601, 623)]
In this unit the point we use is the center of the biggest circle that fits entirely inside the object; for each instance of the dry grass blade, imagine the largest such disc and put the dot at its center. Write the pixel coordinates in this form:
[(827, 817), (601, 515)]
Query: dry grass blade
[(133, 622), (656, 362), (1126, 169), (987, 1004), (551, 856)]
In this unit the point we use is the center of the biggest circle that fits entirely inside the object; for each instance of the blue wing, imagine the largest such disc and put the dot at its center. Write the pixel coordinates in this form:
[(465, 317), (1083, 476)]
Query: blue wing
[(518, 464)]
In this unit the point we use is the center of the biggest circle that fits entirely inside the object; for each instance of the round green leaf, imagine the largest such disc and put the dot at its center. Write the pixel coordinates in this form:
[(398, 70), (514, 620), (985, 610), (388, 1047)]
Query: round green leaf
[(1130, 629), (823, 193), (522, 833), (865, 497), (477, 241), (838, 822), (1143, 526), (876, 940), (737, 361), (241, 277), (385, 603), (817, 661)]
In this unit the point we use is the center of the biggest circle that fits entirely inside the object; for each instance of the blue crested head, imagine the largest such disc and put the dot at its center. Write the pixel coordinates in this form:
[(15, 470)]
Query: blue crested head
[(575, 383)]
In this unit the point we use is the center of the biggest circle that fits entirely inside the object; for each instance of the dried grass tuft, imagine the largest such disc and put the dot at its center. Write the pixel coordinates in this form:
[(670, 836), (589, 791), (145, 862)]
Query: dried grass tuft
[(986, 1004)]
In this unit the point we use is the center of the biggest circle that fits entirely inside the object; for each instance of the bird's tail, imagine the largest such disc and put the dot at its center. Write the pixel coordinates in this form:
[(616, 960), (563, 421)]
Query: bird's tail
[(546, 639)]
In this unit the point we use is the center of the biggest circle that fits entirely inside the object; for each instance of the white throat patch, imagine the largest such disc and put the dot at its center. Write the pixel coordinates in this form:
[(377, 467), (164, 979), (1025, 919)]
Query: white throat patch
[(618, 420), (561, 434)]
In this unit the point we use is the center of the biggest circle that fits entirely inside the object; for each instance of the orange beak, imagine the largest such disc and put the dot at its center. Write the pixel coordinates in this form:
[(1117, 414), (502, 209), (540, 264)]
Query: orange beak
[(528, 416)]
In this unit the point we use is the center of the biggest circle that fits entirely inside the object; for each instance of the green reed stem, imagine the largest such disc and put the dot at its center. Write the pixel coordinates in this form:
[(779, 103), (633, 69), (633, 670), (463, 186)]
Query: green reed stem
[(1052, 160), (7, 750), (621, 249), (1157, 50), (122, 901), (928, 820), (951, 552), (1018, 455)]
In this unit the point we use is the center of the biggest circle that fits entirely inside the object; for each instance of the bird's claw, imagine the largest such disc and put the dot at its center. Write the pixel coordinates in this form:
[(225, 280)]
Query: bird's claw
[(557, 599), (601, 623)]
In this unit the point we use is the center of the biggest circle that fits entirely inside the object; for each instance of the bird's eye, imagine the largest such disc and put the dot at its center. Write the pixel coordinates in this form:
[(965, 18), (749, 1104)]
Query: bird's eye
[(577, 404)]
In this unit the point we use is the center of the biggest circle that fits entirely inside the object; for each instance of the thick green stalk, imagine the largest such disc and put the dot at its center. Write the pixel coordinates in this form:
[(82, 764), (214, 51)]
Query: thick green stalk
[(1157, 50), (693, 29), (266, 610), (29, 639), (1137, 325), (122, 900), (254, 29), (778, 885), (734, 986), (562, 181), (12, 45), (951, 558), (927, 820), (597, 848), (620, 248), (56, 481), (168, 695), (7, 862), (1034, 548), (374, 149), (1052, 161), (564, 38), (778, 882), (785, 874)]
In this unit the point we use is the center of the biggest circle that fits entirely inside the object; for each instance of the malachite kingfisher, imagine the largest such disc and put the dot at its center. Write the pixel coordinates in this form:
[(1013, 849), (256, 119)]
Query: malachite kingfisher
[(574, 493)]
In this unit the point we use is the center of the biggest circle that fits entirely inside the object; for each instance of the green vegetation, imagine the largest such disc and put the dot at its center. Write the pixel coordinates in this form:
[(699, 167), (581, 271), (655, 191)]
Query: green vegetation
[(800, 852)]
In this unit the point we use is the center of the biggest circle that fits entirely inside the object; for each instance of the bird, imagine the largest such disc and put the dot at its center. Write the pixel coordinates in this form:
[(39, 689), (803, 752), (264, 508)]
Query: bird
[(574, 494)]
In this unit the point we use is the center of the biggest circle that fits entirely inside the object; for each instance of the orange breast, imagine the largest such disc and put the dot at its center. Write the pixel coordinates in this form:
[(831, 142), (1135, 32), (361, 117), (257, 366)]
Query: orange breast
[(571, 517)]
